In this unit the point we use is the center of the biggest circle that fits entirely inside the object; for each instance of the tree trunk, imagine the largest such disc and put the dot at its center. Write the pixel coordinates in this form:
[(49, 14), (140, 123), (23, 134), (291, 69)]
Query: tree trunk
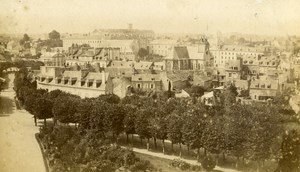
[(132, 139), (155, 145), (237, 162), (224, 158), (205, 152), (141, 141), (217, 159), (172, 148), (45, 122), (148, 147), (180, 150), (163, 145), (257, 170), (188, 149), (127, 140), (35, 122), (198, 154)]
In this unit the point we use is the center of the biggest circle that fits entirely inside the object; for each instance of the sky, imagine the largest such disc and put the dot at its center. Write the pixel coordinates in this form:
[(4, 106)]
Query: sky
[(267, 17)]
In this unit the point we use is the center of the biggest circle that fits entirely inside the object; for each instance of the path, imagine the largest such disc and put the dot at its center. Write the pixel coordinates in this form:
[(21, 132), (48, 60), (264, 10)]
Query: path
[(171, 157), (19, 150)]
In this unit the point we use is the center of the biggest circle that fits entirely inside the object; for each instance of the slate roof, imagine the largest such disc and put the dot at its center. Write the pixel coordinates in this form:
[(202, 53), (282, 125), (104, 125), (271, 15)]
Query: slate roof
[(146, 77)]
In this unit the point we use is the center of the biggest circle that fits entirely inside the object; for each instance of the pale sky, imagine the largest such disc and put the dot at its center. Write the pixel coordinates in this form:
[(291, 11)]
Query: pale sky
[(174, 16)]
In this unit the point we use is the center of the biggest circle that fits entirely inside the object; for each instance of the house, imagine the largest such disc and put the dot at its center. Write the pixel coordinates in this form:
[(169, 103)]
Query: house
[(147, 82), (178, 59), (92, 56), (121, 86), (120, 68), (200, 56), (263, 89), (242, 85), (233, 69), (81, 83), (212, 98), (202, 79), (162, 47), (128, 47), (143, 67), (218, 77), (176, 80)]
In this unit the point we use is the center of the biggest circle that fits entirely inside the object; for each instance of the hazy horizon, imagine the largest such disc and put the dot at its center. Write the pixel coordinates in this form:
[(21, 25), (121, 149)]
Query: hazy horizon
[(260, 17)]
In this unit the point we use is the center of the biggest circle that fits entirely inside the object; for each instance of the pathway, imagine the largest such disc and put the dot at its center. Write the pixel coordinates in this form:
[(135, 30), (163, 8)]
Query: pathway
[(171, 157), (19, 150)]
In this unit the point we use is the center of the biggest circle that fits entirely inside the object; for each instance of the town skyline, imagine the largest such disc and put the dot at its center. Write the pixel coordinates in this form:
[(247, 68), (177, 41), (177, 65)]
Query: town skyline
[(194, 17)]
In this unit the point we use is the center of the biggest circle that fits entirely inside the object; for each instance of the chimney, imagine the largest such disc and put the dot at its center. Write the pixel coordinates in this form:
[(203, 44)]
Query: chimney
[(103, 77)]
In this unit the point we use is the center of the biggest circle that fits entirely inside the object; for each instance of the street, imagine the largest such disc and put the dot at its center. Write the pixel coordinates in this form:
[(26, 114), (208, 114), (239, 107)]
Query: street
[(19, 150)]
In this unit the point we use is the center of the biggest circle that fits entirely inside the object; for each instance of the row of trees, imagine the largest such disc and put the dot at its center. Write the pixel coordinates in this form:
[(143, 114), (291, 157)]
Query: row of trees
[(248, 132)]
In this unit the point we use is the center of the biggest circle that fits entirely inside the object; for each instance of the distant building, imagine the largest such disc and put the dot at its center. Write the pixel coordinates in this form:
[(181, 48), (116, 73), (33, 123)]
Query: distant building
[(162, 47), (128, 48), (178, 60), (233, 69), (231, 52), (93, 56), (263, 89), (147, 82), (83, 84)]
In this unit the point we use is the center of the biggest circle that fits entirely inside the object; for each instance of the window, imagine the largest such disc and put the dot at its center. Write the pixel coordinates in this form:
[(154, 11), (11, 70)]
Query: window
[(269, 86), (230, 74), (152, 79), (140, 79), (138, 85), (152, 86)]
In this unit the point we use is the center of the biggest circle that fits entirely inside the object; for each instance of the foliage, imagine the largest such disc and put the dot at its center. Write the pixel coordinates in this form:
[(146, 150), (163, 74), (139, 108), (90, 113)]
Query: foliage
[(290, 150), (196, 91), (143, 52), (182, 165), (25, 41), (64, 108), (208, 163)]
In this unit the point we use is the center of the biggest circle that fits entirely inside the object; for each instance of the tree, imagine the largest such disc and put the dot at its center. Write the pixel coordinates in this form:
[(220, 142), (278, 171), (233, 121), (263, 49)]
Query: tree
[(64, 108), (143, 52), (113, 119), (43, 108), (54, 35), (142, 124), (193, 127), (129, 121), (84, 110), (197, 91), (110, 98), (264, 130), (214, 135), (175, 125), (25, 41), (290, 150)]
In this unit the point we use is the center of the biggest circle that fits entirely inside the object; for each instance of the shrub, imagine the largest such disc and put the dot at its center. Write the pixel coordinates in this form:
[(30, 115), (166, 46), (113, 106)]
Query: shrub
[(208, 163), (178, 163)]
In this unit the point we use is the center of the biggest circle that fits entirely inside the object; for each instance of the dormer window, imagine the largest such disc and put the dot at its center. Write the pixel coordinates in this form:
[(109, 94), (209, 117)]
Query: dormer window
[(269, 86), (152, 79), (140, 79)]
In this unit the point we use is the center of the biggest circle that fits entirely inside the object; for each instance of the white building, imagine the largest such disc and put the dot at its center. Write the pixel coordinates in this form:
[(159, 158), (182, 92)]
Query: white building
[(162, 47), (231, 52), (128, 48)]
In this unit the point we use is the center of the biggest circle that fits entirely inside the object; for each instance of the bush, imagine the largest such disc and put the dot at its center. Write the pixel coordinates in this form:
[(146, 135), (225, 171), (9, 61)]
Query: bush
[(208, 163), (142, 166), (178, 163)]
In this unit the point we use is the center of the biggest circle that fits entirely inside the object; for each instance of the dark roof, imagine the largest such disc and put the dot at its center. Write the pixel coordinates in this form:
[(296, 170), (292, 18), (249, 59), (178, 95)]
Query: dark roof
[(181, 52)]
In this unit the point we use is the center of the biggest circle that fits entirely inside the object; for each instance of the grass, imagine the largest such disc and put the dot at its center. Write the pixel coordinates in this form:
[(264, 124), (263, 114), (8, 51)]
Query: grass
[(159, 163)]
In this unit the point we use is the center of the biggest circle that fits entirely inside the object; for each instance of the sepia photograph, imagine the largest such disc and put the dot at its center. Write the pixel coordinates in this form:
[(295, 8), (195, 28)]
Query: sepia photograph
[(149, 86)]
